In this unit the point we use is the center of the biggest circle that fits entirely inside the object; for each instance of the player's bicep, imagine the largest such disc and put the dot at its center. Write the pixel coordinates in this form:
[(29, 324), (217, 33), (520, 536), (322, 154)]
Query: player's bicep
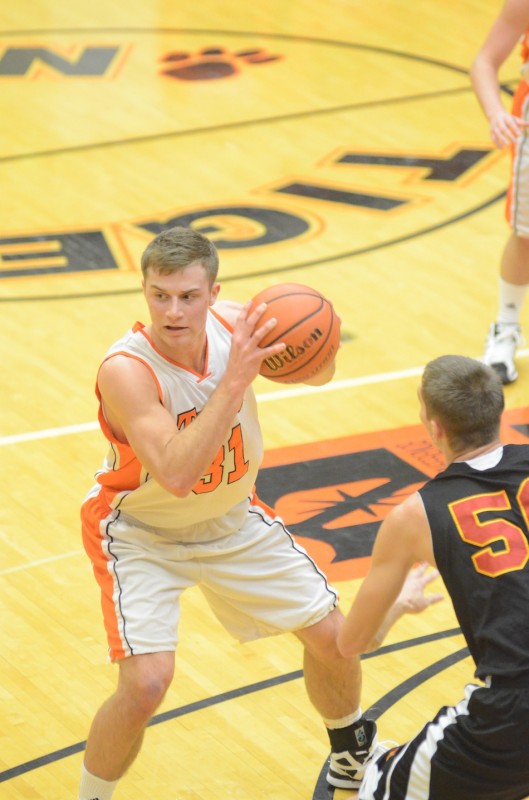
[(134, 411), (505, 33)]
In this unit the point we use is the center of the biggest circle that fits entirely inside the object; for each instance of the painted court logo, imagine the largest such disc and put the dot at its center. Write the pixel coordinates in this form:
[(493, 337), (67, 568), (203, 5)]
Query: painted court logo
[(287, 209), (211, 63), (333, 496)]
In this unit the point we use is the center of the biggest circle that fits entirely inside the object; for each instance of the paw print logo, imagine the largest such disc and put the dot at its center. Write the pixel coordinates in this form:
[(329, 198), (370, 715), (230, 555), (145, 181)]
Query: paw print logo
[(211, 63)]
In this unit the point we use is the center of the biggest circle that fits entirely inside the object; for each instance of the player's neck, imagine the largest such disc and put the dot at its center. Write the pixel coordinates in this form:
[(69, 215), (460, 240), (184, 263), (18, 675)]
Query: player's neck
[(468, 455), (191, 353)]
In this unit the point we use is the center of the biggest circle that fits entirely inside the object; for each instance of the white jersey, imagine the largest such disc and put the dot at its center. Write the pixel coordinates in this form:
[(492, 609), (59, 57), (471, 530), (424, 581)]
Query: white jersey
[(219, 501)]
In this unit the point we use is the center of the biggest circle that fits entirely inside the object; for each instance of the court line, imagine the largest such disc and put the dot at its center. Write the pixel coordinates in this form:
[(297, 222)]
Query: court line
[(237, 125), (48, 433), (266, 397), (39, 562), (280, 394), (200, 705), (463, 71)]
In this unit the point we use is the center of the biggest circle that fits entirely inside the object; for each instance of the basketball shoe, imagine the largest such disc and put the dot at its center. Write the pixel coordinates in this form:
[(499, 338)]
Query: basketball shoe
[(346, 767), (502, 341)]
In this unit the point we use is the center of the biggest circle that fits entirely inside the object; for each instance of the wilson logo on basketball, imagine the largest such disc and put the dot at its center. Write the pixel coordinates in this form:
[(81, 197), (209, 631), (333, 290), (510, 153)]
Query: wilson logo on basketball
[(291, 352)]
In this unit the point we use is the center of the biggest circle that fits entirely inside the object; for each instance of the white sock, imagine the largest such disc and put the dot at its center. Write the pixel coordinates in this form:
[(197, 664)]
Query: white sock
[(511, 298), (344, 722), (93, 788)]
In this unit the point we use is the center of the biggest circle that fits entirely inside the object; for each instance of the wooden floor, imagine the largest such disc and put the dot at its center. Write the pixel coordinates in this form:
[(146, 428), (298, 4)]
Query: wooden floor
[(337, 145)]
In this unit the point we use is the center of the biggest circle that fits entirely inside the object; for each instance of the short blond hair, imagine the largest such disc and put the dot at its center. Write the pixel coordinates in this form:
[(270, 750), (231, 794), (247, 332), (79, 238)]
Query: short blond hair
[(177, 248)]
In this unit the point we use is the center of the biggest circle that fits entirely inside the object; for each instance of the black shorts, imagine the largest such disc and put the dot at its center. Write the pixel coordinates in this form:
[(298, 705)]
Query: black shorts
[(476, 750)]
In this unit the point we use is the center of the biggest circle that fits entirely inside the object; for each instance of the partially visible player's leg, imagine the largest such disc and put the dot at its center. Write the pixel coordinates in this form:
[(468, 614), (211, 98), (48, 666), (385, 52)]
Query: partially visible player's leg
[(333, 682), (334, 687), (505, 334), (266, 583), (117, 730), (142, 638)]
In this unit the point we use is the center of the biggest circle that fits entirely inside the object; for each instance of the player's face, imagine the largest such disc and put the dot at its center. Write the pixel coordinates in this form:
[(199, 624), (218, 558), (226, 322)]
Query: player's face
[(178, 305)]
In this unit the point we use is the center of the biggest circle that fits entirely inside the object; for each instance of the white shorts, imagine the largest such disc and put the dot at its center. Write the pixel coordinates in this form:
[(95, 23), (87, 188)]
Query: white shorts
[(258, 581)]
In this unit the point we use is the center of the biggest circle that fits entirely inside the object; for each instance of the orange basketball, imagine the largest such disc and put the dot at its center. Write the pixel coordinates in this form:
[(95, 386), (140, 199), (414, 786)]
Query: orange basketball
[(306, 323)]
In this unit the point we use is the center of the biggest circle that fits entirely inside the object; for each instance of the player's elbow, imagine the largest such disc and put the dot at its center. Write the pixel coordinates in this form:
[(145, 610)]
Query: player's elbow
[(182, 489), (323, 376), (180, 486)]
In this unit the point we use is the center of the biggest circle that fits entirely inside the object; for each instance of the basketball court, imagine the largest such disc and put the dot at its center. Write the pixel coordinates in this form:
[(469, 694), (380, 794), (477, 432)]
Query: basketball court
[(338, 146)]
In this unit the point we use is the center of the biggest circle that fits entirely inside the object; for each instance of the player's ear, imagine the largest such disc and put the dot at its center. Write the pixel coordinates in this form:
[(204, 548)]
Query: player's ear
[(215, 289), (437, 429)]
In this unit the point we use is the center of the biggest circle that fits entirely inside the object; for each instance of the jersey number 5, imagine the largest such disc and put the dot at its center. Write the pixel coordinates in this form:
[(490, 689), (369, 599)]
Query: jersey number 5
[(512, 549)]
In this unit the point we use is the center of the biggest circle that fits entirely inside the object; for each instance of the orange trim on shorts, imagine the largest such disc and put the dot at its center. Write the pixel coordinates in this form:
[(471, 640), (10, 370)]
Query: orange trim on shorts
[(517, 109), (93, 512), (256, 501)]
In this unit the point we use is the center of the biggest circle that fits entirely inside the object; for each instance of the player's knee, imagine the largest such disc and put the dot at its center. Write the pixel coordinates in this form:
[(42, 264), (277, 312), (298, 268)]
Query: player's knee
[(321, 641), (148, 684), (326, 651)]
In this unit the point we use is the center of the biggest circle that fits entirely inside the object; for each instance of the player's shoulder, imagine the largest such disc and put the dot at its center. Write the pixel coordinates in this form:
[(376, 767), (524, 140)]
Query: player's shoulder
[(121, 371), (409, 513)]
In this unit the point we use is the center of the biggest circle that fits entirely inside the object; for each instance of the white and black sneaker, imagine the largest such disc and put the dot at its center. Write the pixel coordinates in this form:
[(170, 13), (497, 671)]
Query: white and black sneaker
[(346, 767), (502, 342)]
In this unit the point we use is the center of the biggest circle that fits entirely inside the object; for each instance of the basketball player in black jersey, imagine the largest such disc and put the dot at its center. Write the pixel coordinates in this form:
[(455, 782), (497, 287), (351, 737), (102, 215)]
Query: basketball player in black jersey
[(470, 522)]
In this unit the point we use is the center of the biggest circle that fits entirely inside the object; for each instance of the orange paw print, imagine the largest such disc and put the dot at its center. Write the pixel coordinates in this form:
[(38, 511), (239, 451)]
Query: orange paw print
[(211, 63)]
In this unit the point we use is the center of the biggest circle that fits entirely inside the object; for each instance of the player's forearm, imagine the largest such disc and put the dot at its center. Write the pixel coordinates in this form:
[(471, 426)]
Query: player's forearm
[(486, 86), (394, 614), (362, 635), (191, 451)]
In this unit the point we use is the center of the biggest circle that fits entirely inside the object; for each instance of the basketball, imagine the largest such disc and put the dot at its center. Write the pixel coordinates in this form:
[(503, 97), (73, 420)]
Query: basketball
[(306, 323)]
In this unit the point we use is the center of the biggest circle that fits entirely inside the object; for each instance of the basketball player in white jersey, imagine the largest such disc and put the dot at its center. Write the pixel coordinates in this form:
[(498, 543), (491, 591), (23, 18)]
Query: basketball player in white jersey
[(174, 506)]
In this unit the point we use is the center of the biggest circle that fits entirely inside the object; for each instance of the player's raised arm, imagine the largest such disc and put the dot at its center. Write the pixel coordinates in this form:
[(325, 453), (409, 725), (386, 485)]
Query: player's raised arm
[(175, 457)]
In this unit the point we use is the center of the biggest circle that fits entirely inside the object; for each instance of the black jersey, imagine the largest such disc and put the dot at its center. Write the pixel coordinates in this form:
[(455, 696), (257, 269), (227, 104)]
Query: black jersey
[(480, 532)]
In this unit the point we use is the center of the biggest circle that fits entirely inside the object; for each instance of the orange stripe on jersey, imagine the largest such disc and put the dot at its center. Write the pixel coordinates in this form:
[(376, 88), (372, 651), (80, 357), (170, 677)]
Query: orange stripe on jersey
[(93, 512), (524, 50), (221, 320), (136, 358), (166, 357), (125, 472)]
